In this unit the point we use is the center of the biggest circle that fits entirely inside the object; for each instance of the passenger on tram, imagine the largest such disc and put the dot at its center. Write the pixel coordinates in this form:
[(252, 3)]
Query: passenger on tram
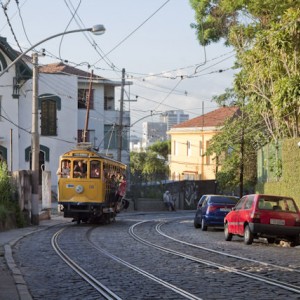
[(80, 170), (64, 171)]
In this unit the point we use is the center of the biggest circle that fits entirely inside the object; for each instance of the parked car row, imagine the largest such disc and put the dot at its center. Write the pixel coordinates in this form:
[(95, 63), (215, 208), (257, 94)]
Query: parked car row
[(253, 216)]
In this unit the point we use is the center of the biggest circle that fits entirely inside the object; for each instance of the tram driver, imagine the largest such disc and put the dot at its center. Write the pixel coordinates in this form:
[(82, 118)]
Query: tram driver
[(80, 170)]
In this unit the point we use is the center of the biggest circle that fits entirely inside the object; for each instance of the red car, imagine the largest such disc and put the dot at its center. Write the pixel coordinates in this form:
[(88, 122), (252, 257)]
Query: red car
[(272, 217)]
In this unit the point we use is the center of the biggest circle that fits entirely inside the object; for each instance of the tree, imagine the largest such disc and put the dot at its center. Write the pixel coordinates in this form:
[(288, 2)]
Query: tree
[(152, 164), (270, 76), (266, 37), (229, 19), (8, 198), (235, 149)]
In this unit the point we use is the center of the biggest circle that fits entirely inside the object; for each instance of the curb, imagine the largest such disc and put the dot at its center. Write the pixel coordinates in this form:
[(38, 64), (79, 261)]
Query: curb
[(16, 273), (20, 283)]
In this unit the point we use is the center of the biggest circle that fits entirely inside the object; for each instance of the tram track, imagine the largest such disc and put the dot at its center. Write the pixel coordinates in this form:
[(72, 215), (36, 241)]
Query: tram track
[(143, 232), (97, 285), (101, 288), (274, 282)]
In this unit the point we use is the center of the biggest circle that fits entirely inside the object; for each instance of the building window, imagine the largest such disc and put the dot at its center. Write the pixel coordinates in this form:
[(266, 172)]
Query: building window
[(3, 153), (188, 148), (48, 118), (83, 98), (207, 156), (174, 148), (200, 148)]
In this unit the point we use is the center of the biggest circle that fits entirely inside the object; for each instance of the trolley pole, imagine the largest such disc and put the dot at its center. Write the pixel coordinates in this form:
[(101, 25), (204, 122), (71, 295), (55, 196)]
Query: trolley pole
[(35, 144), (121, 117)]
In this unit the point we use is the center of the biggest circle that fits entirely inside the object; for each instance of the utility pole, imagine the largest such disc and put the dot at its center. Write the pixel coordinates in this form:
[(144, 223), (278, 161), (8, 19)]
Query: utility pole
[(241, 185), (35, 144), (88, 102), (120, 146)]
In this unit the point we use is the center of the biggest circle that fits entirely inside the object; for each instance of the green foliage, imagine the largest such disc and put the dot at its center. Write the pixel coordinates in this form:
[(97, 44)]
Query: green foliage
[(228, 145), (6, 188), (265, 35), (289, 181), (236, 21), (152, 164), (8, 202), (161, 148)]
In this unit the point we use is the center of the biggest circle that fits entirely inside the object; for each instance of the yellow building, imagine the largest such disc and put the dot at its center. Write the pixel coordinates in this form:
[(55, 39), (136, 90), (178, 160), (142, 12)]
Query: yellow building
[(189, 141)]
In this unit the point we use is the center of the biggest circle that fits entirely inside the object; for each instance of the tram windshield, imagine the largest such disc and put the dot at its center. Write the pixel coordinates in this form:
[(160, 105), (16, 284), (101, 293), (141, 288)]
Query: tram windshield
[(80, 169), (95, 169)]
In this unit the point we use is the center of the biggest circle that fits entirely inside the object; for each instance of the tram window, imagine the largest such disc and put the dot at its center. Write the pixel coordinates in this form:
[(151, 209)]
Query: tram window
[(64, 169), (95, 169), (80, 169)]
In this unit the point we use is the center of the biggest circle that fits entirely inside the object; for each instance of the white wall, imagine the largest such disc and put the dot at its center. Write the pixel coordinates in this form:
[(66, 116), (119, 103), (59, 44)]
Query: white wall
[(65, 87)]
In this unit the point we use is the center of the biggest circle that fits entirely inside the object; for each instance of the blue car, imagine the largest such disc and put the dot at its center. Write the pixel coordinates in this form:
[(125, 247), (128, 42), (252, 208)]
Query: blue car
[(211, 210)]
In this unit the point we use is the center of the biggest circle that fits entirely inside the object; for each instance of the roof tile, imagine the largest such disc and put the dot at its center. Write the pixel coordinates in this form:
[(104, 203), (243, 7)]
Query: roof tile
[(212, 119)]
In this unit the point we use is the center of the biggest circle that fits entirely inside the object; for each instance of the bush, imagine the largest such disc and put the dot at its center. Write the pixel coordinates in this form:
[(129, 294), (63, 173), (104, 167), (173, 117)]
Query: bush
[(8, 198)]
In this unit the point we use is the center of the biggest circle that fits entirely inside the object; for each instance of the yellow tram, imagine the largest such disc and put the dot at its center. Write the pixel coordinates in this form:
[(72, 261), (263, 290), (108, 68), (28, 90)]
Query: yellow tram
[(87, 185)]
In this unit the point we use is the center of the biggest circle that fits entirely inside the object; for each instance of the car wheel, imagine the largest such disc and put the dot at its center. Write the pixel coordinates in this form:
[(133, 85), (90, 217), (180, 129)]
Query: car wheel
[(248, 236), (295, 241), (228, 236), (271, 240), (203, 225), (196, 224)]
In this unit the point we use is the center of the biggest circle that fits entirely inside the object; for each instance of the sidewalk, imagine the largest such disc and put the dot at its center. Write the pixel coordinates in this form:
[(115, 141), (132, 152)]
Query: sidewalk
[(12, 284)]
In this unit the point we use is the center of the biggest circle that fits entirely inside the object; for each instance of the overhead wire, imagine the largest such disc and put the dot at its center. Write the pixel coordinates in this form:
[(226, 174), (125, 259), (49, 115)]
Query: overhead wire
[(22, 22), (62, 37), (93, 43), (4, 7), (136, 29)]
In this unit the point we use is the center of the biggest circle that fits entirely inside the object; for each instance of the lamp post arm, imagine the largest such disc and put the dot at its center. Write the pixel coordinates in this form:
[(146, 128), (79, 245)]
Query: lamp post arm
[(152, 114), (37, 44)]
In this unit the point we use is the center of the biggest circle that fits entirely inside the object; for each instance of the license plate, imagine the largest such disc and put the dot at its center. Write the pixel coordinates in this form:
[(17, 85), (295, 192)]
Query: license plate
[(225, 209), (277, 222)]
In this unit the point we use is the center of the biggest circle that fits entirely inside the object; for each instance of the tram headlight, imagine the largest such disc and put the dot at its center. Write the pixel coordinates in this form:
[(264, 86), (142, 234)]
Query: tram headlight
[(79, 189)]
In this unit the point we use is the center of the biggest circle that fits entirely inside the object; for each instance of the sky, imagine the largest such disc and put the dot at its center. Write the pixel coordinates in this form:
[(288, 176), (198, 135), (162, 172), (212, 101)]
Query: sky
[(151, 39)]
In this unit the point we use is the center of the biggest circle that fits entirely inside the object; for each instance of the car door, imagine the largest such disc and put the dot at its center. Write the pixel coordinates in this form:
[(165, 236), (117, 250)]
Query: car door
[(204, 207), (244, 213), (234, 225)]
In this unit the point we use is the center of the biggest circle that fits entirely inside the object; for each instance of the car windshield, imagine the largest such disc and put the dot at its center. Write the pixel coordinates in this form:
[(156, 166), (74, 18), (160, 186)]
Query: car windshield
[(220, 199), (280, 204)]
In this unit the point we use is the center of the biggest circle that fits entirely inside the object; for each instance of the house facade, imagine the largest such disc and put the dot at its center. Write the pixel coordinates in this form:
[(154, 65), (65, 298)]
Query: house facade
[(189, 141), (62, 113)]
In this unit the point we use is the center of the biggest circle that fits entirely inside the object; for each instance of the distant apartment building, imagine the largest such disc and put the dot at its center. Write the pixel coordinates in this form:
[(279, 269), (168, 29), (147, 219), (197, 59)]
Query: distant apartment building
[(173, 117), (153, 132), (135, 144)]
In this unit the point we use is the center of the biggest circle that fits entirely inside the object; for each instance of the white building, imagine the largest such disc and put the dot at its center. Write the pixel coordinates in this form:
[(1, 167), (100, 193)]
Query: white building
[(62, 111)]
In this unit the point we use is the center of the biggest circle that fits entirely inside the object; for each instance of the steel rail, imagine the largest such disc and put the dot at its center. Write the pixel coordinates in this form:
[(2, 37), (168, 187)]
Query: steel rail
[(97, 285), (158, 226), (283, 285), (150, 276)]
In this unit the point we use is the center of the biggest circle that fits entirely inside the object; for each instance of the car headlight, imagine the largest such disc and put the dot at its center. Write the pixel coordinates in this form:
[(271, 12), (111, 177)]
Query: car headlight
[(79, 189)]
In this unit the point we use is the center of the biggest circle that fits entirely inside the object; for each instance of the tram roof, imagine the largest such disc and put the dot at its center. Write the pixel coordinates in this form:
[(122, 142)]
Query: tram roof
[(87, 152)]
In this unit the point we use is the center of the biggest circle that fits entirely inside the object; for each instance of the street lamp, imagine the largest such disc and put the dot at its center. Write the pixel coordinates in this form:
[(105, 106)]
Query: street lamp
[(96, 29), (35, 145)]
